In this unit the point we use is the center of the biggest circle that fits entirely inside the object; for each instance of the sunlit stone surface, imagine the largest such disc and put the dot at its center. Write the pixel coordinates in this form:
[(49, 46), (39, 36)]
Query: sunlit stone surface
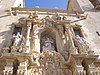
[(35, 41)]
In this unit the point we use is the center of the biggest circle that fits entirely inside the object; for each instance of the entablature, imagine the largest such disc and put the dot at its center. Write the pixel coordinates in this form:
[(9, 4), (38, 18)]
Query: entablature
[(16, 10)]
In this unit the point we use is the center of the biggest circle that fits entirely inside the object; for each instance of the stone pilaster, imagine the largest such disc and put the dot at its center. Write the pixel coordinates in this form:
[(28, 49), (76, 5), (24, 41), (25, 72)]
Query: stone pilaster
[(89, 64), (80, 68), (91, 69), (22, 68)]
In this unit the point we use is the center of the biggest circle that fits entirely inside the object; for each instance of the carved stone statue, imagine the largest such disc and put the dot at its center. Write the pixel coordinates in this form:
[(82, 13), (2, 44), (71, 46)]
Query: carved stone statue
[(48, 44), (81, 44), (18, 39)]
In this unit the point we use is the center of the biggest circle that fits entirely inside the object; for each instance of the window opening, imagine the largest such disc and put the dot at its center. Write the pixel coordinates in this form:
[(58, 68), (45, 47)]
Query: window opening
[(78, 32)]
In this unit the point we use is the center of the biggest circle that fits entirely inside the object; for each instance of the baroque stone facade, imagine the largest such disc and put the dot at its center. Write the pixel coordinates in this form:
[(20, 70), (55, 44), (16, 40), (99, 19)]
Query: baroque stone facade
[(47, 42)]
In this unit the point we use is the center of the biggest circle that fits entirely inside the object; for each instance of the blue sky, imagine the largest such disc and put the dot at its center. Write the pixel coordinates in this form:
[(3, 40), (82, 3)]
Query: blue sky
[(50, 4)]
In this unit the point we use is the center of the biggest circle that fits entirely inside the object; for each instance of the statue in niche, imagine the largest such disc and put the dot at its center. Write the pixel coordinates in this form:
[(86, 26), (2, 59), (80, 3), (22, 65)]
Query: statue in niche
[(48, 44), (17, 39), (81, 44), (15, 42)]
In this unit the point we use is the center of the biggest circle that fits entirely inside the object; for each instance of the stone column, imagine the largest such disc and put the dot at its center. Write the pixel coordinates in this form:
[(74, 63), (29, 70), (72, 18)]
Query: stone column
[(28, 36), (36, 37), (92, 70), (79, 66), (22, 68), (68, 32), (89, 65), (9, 67)]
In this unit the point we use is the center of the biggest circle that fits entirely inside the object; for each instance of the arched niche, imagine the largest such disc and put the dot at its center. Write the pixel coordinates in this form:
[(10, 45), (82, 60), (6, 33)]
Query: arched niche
[(49, 40)]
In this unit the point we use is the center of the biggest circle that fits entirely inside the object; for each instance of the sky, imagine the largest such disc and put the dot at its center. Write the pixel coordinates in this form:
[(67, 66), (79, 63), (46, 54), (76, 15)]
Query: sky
[(49, 4)]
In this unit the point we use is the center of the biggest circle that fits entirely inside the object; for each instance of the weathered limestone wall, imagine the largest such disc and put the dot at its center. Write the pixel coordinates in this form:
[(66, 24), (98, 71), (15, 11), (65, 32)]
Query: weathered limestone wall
[(91, 24)]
